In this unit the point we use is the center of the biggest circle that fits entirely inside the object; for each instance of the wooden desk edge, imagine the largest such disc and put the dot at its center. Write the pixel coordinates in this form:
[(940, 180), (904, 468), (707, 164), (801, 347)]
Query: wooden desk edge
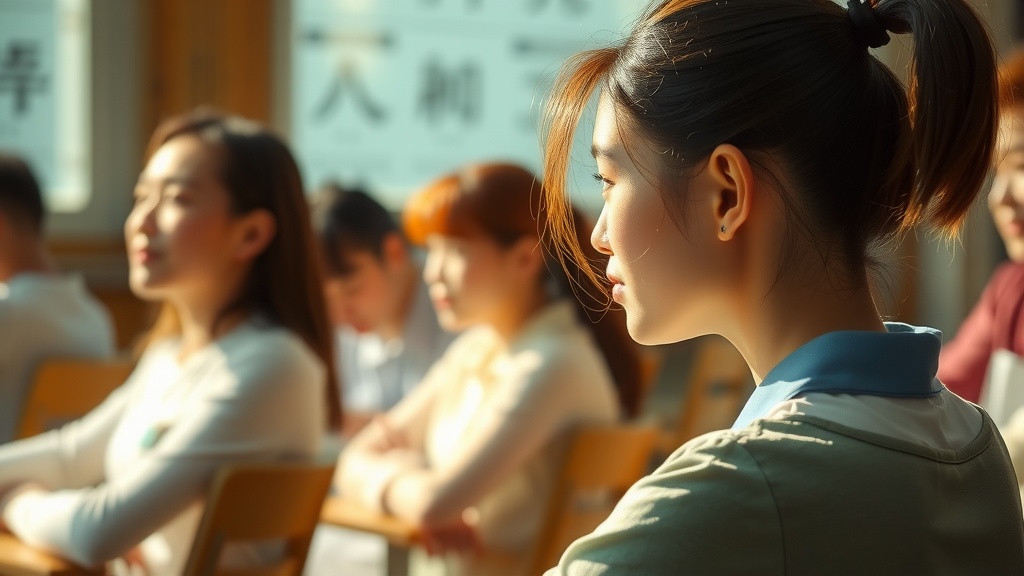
[(19, 559), (354, 516)]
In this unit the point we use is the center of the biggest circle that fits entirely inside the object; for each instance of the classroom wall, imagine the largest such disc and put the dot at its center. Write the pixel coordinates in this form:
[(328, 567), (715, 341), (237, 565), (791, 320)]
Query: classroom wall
[(153, 59)]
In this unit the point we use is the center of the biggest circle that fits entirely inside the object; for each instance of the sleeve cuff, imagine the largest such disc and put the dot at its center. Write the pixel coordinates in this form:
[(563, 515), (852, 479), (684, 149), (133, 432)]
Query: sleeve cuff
[(18, 514)]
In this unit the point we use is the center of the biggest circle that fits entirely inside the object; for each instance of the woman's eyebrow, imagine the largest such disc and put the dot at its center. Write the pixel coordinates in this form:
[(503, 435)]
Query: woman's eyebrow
[(598, 151), (183, 181)]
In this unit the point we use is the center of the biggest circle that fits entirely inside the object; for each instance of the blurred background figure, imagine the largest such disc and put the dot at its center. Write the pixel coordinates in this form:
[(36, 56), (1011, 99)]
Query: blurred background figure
[(470, 456), (386, 331), (235, 369), (43, 314), (997, 320)]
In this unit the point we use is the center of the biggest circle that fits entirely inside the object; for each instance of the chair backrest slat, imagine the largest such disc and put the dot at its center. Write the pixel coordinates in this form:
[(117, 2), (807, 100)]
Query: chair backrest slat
[(267, 502), (66, 389), (602, 462), (719, 386)]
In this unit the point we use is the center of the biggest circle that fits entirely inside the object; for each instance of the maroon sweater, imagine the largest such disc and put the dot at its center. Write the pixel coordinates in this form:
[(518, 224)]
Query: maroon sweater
[(997, 322)]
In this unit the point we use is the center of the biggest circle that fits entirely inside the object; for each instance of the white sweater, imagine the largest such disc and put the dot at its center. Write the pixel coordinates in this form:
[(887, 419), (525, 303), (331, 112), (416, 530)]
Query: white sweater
[(136, 469), (489, 424)]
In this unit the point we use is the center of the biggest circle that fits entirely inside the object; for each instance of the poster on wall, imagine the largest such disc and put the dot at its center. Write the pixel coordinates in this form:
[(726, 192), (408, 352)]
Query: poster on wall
[(44, 96), (390, 95)]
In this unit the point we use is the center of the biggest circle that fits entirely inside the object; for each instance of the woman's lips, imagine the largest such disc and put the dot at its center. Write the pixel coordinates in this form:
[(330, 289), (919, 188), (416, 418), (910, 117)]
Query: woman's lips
[(618, 291), (618, 288), (145, 255), (1014, 227)]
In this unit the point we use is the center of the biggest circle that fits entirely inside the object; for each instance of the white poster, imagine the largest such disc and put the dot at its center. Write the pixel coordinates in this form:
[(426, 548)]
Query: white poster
[(44, 96), (390, 95)]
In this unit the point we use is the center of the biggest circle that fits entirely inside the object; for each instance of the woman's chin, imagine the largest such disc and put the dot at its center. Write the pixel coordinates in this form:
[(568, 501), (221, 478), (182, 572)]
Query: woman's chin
[(147, 289), (647, 331), (450, 322), (642, 334), (1015, 249)]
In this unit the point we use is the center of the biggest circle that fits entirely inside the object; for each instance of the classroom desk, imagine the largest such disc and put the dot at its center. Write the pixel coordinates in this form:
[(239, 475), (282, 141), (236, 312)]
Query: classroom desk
[(17, 559), (400, 535)]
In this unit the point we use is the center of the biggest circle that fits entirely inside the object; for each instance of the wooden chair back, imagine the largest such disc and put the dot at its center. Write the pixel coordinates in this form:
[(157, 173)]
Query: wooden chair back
[(602, 462), (651, 362), (66, 389), (268, 502), (719, 386)]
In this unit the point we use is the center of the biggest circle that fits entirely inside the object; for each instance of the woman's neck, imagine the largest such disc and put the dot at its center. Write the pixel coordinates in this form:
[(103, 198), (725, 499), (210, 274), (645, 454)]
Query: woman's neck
[(202, 325), (515, 315), (793, 312)]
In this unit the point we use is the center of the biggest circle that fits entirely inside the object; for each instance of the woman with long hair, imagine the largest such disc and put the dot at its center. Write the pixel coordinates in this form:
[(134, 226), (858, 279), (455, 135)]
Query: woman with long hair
[(471, 454), (235, 369), (751, 154)]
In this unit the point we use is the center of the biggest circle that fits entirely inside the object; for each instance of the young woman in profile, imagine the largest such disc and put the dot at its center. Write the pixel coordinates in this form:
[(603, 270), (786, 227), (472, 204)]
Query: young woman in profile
[(471, 454), (235, 369), (750, 153)]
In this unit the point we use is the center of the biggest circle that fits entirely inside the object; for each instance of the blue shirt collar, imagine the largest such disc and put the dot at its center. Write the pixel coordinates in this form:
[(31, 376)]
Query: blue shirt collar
[(900, 362)]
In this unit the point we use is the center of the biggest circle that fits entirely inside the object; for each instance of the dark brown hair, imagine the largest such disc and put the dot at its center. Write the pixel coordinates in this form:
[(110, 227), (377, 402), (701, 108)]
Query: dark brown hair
[(504, 202), (20, 197), (856, 158), (284, 282), (346, 221)]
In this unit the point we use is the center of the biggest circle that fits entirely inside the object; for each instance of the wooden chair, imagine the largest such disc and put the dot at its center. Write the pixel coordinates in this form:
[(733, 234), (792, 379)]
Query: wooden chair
[(651, 361), (720, 384), (261, 502), (66, 389), (601, 464)]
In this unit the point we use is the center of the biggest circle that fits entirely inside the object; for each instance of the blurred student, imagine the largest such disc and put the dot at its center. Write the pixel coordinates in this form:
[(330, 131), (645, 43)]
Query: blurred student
[(387, 334), (235, 369), (749, 154), (471, 455), (997, 320), (43, 314)]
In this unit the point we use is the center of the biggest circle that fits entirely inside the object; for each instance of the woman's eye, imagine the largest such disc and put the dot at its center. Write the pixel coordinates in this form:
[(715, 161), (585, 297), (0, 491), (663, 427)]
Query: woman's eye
[(141, 196), (604, 181), (181, 198)]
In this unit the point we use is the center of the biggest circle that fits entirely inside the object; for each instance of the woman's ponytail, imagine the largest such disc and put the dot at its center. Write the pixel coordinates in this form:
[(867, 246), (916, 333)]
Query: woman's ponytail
[(953, 97)]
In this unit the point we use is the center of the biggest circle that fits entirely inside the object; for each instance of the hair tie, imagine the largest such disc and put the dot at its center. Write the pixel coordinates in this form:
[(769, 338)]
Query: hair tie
[(867, 26)]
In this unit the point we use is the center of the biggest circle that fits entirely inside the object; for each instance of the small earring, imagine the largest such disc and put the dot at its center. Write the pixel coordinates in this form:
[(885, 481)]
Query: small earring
[(723, 228)]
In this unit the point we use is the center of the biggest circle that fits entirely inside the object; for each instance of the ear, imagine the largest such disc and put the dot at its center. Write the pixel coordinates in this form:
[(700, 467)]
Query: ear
[(734, 183), (393, 249), (255, 232)]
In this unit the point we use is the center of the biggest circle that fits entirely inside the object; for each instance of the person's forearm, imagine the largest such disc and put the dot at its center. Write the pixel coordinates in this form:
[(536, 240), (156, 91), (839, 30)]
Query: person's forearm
[(417, 497), (366, 475), (10, 493)]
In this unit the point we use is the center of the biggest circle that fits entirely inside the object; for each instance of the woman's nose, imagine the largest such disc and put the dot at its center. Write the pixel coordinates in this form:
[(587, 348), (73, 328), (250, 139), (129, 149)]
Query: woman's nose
[(142, 218), (431, 268), (599, 237), (1007, 191)]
